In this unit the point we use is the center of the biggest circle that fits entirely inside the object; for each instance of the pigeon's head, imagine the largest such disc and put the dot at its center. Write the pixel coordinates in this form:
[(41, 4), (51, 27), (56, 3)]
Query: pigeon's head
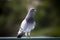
[(32, 10)]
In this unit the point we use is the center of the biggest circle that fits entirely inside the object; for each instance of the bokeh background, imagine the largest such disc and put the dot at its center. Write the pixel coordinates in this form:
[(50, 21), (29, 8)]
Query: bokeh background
[(47, 17)]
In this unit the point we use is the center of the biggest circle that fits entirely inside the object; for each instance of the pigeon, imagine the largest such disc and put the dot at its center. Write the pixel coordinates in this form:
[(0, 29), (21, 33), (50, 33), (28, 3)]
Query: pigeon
[(28, 24)]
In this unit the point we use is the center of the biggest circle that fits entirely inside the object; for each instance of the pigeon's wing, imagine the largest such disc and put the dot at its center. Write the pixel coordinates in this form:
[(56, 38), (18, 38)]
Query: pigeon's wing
[(23, 26)]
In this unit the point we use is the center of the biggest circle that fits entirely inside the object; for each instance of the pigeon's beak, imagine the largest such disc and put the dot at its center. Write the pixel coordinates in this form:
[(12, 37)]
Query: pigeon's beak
[(35, 10)]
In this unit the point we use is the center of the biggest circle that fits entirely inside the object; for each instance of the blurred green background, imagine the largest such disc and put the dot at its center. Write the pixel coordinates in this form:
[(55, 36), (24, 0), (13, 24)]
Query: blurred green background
[(47, 18)]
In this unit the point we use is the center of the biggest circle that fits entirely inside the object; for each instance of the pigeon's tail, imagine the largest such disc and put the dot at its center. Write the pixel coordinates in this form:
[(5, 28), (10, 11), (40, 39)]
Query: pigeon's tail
[(20, 35)]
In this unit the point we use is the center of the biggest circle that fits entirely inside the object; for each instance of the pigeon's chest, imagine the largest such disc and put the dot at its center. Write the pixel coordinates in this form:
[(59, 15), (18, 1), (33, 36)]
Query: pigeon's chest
[(29, 27), (30, 24)]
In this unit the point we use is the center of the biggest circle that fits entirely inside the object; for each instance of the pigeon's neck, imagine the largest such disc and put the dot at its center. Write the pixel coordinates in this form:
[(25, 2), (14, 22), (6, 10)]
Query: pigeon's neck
[(30, 17)]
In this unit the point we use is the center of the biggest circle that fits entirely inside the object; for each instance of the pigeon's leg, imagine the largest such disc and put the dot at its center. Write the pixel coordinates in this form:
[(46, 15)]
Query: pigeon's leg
[(28, 34)]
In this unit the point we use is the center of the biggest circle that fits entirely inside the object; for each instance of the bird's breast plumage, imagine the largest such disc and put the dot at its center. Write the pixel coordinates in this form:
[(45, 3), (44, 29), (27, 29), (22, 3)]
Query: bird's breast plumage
[(27, 27)]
